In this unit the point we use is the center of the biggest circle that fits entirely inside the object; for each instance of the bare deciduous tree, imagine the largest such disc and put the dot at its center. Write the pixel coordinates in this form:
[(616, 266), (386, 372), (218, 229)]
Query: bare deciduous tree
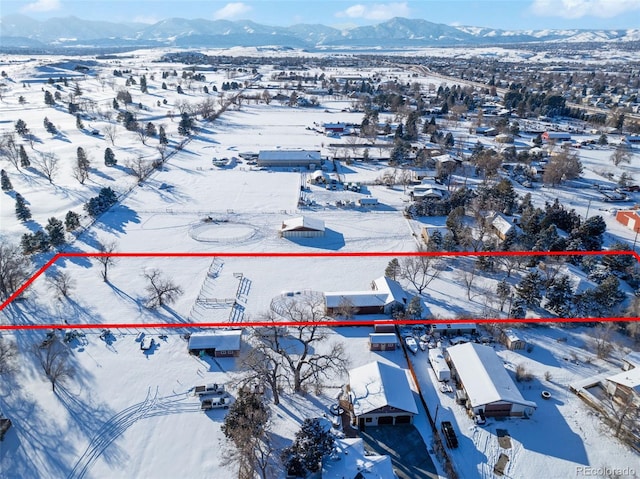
[(106, 258), (47, 163), (61, 283), (9, 149), (8, 356), (53, 356), (110, 132), (161, 290), (14, 268), (602, 334), (420, 271), (80, 174), (467, 275), (140, 168), (294, 348)]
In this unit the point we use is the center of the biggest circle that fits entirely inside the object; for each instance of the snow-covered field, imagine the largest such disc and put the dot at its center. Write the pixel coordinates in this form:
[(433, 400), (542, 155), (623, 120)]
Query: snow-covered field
[(129, 413)]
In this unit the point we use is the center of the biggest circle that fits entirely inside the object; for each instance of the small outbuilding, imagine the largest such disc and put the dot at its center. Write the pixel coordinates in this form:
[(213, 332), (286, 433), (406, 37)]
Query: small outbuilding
[(382, 341), (511, 340), (302, 227), (219, 344)]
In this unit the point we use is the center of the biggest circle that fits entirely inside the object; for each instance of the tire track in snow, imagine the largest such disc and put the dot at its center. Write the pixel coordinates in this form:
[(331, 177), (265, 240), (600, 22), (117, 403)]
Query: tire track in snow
[(119, 423)]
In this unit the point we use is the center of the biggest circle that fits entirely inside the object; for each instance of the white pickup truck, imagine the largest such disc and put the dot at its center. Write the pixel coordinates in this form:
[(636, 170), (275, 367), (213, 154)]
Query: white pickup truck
[(215, 403), (208, 389)]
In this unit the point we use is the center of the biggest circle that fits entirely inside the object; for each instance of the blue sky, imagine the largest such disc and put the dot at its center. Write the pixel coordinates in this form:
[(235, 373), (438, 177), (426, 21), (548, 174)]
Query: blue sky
[(506, 14)]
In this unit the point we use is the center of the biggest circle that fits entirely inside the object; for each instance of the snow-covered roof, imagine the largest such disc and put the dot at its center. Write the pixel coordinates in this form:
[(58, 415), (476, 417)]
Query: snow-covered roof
[(303, 223), (359, 299), (630, 379), (290, 155), (385, 291), (510, 335), (349, 460), (376, 385), (228, 340), (484, 377), (382, 338), (502, 223)]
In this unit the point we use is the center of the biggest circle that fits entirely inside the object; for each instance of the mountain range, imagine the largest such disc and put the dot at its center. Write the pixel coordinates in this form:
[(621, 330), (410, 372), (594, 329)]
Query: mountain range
[(21, 31)]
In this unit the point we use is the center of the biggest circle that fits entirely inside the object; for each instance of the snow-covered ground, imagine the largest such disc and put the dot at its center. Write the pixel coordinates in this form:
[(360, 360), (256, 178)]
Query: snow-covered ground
[(127, 413)]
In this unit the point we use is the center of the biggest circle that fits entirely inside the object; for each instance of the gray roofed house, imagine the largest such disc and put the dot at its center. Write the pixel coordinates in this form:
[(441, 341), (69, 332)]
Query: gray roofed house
[(290, 158)]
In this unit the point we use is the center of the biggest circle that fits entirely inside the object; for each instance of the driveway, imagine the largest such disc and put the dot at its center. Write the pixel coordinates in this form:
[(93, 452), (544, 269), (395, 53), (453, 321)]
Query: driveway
[(406, 448)]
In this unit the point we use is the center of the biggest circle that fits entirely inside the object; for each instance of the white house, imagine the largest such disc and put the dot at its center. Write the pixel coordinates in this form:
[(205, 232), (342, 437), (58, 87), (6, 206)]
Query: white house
[(486, 383), (380, 394), (385, 295)]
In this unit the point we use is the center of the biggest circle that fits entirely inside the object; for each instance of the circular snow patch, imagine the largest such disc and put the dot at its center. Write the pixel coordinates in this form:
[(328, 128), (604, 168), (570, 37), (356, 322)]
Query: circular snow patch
[(217, 232)]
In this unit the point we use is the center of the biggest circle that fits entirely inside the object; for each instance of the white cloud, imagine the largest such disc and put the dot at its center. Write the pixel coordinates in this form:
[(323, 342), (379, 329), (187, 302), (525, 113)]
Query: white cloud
[(583, 8), (41, 6), (231, 10), (377, 11)]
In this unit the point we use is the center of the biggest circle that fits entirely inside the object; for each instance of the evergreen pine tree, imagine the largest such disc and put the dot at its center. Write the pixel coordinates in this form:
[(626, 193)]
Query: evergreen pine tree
[(109, 157), (48, 98), (23, 213), (392, 270), (530, 288), (49, 126), (143, 84), (24, 158), (79, 124), (21, 127), (83, 161), (162, 136), (55, 229), (5, 182), (71, 221), (503, 291), (559, 296), (414, 309), (185, 125)]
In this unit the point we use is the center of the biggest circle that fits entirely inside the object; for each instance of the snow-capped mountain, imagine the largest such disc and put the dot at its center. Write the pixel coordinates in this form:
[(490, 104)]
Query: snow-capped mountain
[(19, 30)]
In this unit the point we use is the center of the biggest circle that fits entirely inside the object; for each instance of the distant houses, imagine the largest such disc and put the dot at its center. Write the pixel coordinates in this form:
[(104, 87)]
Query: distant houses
[(556, 136)]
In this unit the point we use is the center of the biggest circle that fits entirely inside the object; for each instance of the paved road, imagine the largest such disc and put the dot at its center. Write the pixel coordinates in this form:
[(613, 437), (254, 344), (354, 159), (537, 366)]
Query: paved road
[(406, 448)]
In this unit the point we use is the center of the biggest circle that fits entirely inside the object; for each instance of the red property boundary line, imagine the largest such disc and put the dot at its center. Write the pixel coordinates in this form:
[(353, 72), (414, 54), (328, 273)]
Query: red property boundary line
[(329, 323)]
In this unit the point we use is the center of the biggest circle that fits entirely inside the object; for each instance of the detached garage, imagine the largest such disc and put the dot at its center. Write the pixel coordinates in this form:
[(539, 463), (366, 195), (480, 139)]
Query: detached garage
[(302, 227), (486, 384), (379, 394)]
